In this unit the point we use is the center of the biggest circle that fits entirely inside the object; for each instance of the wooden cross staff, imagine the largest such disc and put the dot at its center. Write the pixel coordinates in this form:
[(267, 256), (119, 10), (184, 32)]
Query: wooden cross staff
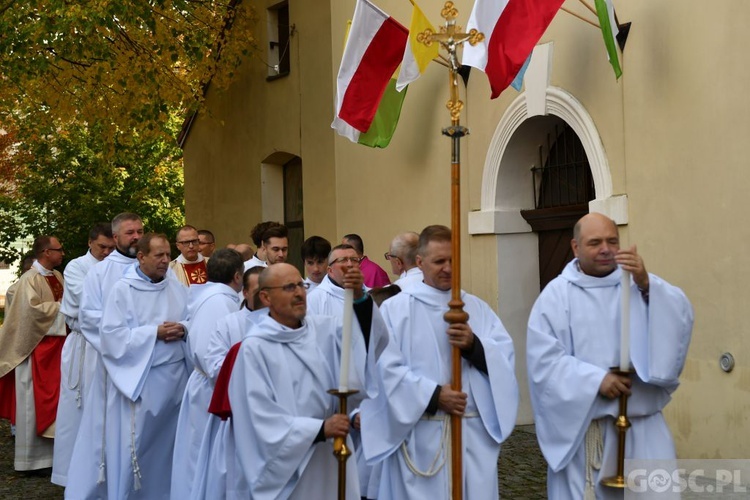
[(449, 38)]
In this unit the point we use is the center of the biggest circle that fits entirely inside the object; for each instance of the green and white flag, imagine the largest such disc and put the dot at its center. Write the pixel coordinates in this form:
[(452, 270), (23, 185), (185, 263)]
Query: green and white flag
[(606, 12)]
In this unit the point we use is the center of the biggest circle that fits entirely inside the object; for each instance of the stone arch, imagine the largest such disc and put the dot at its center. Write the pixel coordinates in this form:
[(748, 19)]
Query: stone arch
[(498, 215)]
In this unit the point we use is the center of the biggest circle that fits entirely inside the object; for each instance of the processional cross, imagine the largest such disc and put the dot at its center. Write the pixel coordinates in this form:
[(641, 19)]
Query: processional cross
[(450, 39)]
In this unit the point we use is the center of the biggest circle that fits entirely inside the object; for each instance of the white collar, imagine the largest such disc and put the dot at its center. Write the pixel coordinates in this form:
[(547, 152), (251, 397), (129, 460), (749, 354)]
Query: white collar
[(182, 260), (42, 270)]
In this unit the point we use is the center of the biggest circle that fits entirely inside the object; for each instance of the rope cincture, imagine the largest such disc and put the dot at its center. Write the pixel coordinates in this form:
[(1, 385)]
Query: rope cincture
[(594, 445), (133, 454), (77, 386), (103, 458), (444, 450)]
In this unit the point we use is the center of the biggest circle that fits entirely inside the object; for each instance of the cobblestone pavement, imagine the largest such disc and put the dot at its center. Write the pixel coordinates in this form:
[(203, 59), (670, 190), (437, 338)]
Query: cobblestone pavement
[(22, 485), (522, 470)]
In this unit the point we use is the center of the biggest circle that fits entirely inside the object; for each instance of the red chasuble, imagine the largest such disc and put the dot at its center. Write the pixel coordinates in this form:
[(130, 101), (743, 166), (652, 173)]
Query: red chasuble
[(45, 370), (196, 272), (8, 397), (220, 400)]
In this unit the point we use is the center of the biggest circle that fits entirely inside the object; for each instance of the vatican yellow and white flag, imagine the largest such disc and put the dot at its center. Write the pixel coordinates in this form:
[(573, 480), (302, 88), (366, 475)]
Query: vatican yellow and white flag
[(417, 55)]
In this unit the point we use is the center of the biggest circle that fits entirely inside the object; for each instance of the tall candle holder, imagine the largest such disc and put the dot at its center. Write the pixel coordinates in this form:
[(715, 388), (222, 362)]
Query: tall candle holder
[(622, 423), (340, 450), (451, 37)]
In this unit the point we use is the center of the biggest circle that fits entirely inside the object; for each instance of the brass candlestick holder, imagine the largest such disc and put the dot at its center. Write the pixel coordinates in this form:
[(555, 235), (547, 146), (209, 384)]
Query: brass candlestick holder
[(623, 424), (340, 450)]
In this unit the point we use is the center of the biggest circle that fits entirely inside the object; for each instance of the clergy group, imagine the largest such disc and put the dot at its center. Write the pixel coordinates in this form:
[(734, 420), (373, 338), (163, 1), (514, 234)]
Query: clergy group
[(209, 376)]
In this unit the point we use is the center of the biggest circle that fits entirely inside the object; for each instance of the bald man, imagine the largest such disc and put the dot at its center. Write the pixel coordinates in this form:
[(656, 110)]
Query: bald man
[(403, 259), (282, 416), (574, 339)]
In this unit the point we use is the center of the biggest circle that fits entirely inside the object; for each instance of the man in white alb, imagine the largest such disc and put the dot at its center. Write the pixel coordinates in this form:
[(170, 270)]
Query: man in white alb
[(88, 461), (78, 357), (283, 416), (143, 351), (573, 341), (406, 426), (207, 305), (403, 258)]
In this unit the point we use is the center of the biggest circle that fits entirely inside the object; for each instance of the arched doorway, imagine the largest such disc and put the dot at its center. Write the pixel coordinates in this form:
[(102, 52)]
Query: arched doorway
[(563, 188)]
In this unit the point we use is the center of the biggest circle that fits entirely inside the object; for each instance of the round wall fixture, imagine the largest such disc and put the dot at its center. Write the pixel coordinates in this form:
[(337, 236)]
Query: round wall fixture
[(726, 362)]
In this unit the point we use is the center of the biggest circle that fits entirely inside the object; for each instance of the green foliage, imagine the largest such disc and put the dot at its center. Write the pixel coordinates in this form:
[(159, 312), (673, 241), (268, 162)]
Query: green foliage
[(120, 65), (91, 97), (61, 182)]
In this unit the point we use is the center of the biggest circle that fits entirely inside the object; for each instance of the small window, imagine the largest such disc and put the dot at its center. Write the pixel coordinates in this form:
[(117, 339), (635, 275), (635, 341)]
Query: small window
[(279, 41)]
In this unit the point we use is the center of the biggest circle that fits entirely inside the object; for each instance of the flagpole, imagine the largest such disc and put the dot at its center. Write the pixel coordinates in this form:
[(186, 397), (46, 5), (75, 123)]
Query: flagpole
[(588, 6), (456, 313), (592, 23), (450, 38)]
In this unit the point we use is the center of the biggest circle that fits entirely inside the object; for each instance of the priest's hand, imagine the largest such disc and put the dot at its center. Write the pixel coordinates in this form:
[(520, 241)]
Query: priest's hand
[(170, 331), (614, 385), (354, 279), (450, 401), (336, 426), (461, 336), (357, 423), (629, 260)]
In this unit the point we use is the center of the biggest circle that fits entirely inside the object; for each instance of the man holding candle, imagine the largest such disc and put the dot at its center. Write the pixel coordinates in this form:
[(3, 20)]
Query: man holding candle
[(406, 424), (329, 299), (573, 341), (282, 414)]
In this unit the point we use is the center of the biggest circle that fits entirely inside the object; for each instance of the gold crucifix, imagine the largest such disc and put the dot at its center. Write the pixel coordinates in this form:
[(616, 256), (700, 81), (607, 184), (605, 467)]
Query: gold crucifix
[(450, 38)]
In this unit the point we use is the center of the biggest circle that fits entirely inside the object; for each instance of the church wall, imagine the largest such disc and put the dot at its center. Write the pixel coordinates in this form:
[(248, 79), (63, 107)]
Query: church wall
[(687, 175), (406, 186), (256, 119), (673, 136), (672, 128), (673, 131)]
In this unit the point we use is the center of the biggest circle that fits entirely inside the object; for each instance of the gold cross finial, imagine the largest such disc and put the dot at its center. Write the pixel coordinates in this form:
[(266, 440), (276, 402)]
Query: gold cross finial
[(450, 38), (449, 12)]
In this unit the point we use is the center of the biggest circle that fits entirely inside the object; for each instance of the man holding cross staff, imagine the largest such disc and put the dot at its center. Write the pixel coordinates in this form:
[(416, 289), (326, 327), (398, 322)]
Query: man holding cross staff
[(406, 424)]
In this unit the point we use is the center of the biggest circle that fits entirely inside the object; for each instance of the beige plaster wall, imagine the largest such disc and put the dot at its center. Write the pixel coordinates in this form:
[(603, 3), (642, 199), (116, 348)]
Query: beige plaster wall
[(686, 130), (256, 119), (407, 185), (673, 128)]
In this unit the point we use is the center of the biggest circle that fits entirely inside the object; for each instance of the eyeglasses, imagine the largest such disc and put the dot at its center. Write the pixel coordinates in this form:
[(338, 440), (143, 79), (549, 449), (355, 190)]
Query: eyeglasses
[(341, 260), (55, 249), (289, 287), (189, 243), (389, 256), (205, 242)]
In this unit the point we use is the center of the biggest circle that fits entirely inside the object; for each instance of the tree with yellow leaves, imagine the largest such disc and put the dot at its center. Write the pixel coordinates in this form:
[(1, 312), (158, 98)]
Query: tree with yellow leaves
[(117, 65), (92, 94)]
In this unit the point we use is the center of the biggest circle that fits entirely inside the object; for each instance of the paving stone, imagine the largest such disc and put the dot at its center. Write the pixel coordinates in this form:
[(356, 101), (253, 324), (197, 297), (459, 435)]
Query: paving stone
[(522, 470)]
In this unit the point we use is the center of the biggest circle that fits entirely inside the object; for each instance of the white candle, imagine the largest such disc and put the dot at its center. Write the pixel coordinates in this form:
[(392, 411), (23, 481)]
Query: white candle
[(346, 340), (625, 322)]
